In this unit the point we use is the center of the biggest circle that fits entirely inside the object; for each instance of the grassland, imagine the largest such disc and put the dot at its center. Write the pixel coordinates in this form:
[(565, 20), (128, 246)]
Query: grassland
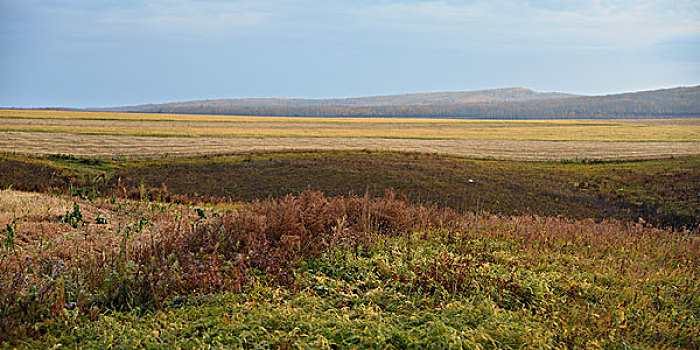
[(131, 134), (353, 272), (107, 146), (432, 129), (140, 231)]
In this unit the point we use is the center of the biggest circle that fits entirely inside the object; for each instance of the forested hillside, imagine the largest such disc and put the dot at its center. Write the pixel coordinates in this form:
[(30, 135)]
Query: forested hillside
[(512, 103)]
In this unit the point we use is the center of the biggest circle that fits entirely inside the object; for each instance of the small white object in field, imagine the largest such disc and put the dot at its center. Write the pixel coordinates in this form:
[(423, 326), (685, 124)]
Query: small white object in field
[(471, 181)]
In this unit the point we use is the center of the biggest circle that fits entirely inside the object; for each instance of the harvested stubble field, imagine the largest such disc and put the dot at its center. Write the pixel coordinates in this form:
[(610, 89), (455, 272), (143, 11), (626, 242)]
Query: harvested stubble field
[(150, 147), (131, 134)]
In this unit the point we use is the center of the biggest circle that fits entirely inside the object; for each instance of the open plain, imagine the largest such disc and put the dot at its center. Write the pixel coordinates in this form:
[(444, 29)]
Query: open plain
[(159, 135), (389, 175), (123, 230)]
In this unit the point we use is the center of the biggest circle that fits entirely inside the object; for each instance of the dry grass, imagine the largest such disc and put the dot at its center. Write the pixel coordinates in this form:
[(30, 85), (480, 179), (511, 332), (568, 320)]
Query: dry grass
[(47, 263), (24, 204), (279, 127), (138, 134), (135, 146), (107, 116), (40, 232)]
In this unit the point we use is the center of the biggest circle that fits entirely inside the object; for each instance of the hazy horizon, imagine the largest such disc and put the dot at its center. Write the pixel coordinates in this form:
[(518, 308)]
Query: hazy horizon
[(113, 53), (342, 97)]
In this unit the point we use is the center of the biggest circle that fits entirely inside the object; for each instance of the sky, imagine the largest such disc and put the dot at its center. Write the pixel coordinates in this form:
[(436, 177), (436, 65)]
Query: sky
[(80, 53)]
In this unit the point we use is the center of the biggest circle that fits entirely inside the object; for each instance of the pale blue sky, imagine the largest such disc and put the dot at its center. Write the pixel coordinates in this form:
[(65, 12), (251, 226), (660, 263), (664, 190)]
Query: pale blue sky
[(117, 52)]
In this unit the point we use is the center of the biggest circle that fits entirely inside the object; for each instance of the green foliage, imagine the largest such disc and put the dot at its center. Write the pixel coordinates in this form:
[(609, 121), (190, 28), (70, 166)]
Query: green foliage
[(88, 193), (143, 222), (100, 220), (8, 236), (74, 217)]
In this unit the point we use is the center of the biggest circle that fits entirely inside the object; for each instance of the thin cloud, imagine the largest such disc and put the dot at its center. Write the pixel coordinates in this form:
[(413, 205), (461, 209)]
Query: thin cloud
[(87, 52), (628, 23), (173, 20)]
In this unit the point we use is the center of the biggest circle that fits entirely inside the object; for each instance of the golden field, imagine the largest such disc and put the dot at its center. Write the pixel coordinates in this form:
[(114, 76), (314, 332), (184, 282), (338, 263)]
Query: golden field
[(104, 133)]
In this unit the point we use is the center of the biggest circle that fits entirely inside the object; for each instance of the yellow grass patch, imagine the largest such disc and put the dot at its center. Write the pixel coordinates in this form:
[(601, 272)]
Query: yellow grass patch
[(173, 125)]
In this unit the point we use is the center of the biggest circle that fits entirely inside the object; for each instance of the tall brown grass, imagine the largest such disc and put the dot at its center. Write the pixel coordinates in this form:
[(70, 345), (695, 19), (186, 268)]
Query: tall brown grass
[(181, 253)]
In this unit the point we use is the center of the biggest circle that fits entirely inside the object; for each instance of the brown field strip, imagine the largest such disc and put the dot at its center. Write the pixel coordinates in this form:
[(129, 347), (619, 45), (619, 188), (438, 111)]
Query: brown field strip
[(134, 146)]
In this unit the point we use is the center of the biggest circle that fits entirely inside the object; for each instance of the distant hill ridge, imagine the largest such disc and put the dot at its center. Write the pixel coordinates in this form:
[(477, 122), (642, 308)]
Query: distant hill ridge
[(508, 103)]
